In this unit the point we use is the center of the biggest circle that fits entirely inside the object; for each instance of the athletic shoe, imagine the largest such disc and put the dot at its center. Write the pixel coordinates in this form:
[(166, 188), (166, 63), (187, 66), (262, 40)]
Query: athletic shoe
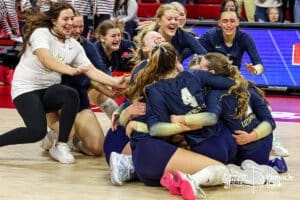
[(278, 164), (271, 175), (215, 175), (61, 152), (188, 186), (240, 176), (121, 168), (167, 182), (278, 149), (48, 140)]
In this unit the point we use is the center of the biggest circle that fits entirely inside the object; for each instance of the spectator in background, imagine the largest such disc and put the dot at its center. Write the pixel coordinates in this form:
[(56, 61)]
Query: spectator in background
[(103, 10), (297, 11), (8, 9), (234, 5), (126, 11), (182, 13), (183, 2), (262, 7), (249, 6), (84, 7), (288, 4), (273, 14)]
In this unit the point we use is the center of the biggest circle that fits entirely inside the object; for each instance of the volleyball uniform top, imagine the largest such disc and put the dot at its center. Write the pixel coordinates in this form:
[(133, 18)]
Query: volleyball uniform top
[(185, 40), (31, 75), (225, 109), (181, 95), (114, 63), (213, 41), (81, 82)]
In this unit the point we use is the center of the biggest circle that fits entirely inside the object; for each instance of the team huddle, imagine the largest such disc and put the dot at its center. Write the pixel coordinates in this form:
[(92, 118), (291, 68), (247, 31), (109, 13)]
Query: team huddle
[(178, 128)]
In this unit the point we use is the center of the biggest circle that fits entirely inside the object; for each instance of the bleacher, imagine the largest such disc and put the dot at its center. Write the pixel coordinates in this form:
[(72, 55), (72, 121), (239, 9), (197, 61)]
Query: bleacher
[(196, 9)]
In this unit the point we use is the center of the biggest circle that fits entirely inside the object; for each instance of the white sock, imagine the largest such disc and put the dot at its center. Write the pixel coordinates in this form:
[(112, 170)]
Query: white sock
[(109, 106), (211, 175)]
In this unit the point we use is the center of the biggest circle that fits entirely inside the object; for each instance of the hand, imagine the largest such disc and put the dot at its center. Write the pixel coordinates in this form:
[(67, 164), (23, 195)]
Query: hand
[(115, 121), (177, 118), (121, 81), (185, 127), (243, 137), (131, 126), (78, 70), (137, 108), (250, 68)]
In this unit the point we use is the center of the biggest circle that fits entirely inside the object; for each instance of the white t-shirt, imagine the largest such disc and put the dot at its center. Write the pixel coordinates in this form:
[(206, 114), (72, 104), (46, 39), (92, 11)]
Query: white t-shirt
[(31, 75)]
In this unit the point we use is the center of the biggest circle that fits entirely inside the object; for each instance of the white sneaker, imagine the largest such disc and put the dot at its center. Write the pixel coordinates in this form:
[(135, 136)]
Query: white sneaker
[(239, 176), (48, 140), (215, 174), (271, 175), (61, 152), (278, 149), (121, 167)]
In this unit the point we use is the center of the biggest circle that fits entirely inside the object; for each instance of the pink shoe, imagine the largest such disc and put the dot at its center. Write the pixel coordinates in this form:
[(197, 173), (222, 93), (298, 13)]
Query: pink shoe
[(167, 182), (188, 187)]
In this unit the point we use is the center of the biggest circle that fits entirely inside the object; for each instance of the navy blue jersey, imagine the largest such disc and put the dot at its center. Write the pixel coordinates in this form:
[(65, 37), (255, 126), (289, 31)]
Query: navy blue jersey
[(181, 95), (225, 109), (115, 62), (138, 68), (185, 40), (213, 41), (81, 82)]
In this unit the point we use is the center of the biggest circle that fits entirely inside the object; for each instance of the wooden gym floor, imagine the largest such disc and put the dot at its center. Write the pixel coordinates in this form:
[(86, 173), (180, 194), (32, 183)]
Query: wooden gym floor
[(28, 173)]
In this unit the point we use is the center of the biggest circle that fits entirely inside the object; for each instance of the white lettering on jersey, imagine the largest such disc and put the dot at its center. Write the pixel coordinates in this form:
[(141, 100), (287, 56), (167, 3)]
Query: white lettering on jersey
[(187, 98)]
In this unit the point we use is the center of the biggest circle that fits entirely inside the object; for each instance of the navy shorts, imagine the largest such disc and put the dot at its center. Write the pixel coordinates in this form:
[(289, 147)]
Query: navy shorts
[(150, 158), (114, 141), (221, 147)]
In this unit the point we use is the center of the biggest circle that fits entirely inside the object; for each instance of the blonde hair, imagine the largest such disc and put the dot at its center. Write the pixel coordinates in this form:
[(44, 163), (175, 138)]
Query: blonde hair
[(196, 60), (161, 63), (223, 66)]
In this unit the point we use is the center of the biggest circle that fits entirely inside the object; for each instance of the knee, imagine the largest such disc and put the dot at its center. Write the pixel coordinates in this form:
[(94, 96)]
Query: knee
[(95, 147), (38, 134)]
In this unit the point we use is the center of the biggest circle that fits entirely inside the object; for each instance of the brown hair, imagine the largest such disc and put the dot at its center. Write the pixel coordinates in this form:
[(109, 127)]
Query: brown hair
[(223, 66), (34, 20)]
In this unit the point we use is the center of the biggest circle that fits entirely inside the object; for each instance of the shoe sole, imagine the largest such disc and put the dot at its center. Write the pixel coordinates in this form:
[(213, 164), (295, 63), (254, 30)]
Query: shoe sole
[(167, 182)]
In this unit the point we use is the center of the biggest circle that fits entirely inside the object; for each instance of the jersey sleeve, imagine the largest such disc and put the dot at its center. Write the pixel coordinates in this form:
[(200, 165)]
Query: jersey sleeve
[(252, 50), (206, 78), (213, 102), (260, 108)]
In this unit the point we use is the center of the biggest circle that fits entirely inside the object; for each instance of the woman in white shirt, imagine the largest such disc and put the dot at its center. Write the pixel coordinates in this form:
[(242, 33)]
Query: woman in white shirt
[(48, 52)]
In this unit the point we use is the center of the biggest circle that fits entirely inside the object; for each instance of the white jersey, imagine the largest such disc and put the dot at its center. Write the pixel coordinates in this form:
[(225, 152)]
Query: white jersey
[(31, 75)]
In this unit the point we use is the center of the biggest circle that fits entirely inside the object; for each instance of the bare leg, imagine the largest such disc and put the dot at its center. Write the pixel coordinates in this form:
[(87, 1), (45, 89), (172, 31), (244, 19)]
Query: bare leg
[(89, 131), (189, 162)]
